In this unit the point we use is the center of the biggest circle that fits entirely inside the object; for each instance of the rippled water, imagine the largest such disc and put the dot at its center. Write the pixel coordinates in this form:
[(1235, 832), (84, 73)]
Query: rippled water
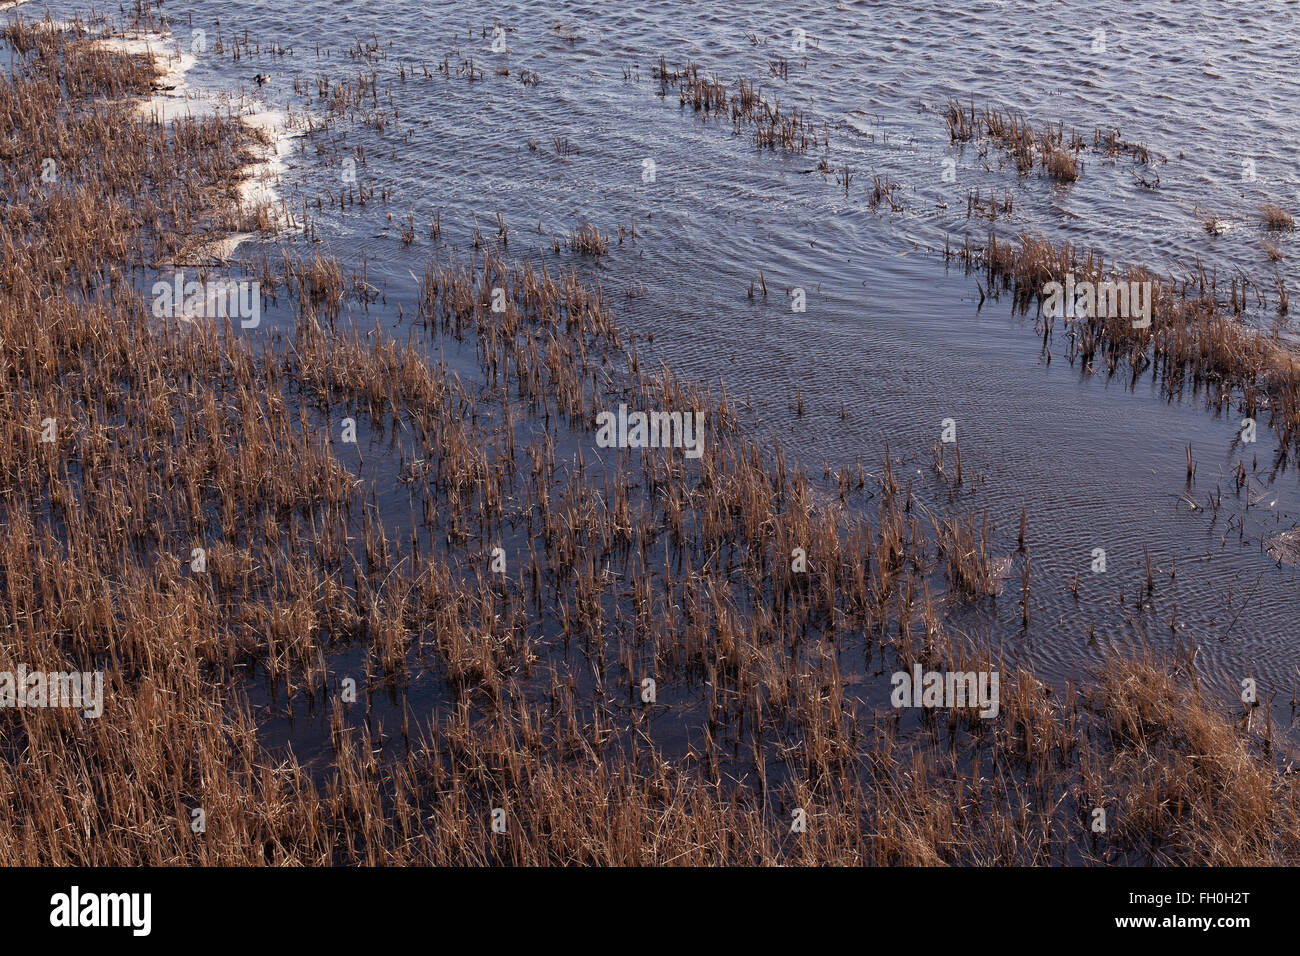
[(892, 341)]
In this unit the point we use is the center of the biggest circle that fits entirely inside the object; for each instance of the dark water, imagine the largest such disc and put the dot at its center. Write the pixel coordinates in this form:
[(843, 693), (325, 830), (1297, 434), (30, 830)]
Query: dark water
[(892, 339)]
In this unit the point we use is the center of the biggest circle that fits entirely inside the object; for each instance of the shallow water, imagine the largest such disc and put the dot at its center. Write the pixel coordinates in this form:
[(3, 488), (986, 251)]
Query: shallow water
[(892, 340)]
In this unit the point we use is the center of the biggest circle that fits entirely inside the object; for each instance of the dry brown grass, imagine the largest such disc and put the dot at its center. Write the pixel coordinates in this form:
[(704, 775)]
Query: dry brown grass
[(1214, 225), (588, 241), (772, 127), (1026, 145), (1276, 217), (882, 191), (1194, 335), (625, 565), (1060, 164)]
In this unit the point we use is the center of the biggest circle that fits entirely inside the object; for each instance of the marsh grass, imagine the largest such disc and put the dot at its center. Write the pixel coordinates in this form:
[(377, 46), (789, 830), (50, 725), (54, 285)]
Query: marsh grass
[(1277, 217), (1049, 148), (641, 562), (1195, 337), (771, 127), (588, 241)]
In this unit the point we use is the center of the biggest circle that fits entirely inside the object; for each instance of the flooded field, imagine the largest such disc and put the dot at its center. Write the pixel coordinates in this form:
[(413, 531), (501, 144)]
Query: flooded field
[(826, 231)]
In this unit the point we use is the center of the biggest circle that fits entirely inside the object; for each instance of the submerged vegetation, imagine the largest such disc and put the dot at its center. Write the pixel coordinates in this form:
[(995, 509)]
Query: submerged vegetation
[(1276, 217), (747, 108), (198, 527), (1047, 147), (1194, 338)]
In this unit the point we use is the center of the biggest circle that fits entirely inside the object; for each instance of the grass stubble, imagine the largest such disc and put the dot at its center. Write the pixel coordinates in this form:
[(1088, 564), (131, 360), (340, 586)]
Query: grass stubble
[(629, 564)]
